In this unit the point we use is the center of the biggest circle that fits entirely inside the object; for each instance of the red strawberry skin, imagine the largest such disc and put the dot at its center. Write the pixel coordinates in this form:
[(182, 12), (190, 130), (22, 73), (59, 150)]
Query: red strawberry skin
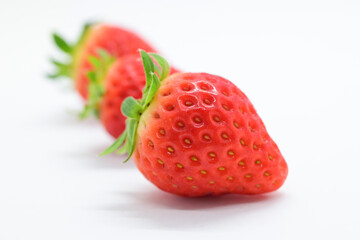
[(125, 78), (116, 41), (202, 136)]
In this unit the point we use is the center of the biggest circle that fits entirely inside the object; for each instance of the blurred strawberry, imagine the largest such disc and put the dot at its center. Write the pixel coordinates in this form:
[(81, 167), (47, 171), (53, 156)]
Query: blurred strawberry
[(111, 81), (115, 40)]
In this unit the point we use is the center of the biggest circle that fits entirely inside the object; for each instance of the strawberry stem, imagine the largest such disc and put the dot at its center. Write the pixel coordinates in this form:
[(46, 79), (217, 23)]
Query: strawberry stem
[(133, 108)]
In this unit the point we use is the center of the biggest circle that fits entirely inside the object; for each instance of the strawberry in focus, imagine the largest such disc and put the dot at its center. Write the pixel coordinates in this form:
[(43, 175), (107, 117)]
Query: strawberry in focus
[(197, 134), (115, 40)]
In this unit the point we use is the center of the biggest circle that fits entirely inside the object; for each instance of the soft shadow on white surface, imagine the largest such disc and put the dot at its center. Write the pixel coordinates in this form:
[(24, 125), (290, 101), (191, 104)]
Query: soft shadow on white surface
[(112, 160), (89, 137), (89, 157), (168, 201), (69, 118), (160, 209)]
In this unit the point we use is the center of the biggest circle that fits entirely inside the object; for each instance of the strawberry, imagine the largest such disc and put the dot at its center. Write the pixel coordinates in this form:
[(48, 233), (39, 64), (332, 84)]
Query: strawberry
[(117, 41), (197, 134), (111, 81), (125, 78)]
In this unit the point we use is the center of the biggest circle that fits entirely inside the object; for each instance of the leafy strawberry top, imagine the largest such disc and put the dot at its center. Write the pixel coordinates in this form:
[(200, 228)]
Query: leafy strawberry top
[(101, 65), (66, 69), (133, 108)]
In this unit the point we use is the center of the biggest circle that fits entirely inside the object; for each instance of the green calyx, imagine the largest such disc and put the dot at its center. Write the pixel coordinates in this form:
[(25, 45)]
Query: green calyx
[(133, 108), (101, 65), (66, 69)]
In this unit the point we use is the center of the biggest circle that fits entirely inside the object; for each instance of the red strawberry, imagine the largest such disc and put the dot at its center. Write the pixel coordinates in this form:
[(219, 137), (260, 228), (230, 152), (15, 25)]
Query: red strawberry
[(111, 81), (196, 134), (125, 78), (117, 41)]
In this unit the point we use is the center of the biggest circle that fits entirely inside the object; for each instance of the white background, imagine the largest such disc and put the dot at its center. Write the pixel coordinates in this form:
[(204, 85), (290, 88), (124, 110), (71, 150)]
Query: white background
[(298, 61)]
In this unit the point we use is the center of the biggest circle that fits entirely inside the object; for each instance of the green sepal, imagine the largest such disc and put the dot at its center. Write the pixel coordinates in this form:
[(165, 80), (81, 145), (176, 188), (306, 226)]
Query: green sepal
[(133, 109), (62, 70), (165, 67), (149, 68), (62, 44), (154, 86), (115, 145), (131, 127), (123, 149), (85, 31), (101, 65), (95, 62), (66, 68)]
